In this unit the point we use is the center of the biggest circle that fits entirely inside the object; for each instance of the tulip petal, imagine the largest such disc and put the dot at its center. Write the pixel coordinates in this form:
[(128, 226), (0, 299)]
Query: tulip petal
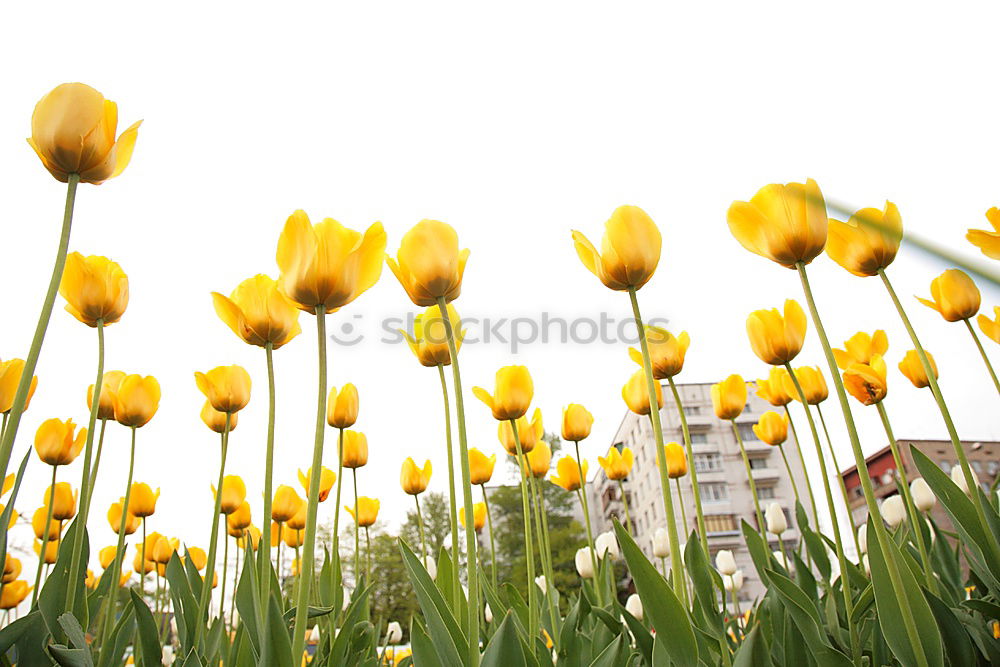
[(124, 147)]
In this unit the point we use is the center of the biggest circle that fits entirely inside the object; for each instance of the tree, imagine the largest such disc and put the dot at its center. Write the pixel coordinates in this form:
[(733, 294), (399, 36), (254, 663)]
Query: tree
[(437, 524)]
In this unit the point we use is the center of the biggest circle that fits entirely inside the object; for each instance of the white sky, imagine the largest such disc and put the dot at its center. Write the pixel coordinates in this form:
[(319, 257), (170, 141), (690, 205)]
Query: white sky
[(514, 124)]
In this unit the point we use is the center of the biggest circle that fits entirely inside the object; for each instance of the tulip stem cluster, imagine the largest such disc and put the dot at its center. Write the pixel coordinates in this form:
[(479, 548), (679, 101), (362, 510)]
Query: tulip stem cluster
[(840, 478), (582, 491), (493, 546), (702, 531), (112, 600), (45, 537), (545, 551), (805, 470), (628, 518), (213, 545), (265, 538), (525, 470), (761, 526), (452, 499)]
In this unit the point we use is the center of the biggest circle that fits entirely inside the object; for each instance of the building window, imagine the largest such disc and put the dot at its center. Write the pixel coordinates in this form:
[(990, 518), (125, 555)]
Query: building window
[(690, 410), (746, 432), (708, 462), (945, 465), (977, 465), (714, 493), (757, 463), (720, 523), (699, 439), (765, 492)]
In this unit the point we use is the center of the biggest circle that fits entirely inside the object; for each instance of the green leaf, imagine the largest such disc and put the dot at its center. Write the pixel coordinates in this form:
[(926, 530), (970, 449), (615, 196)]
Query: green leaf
[(958, 647), (8, 511), (505, 649), (699, 570), (753, 652), (441, 624), (185, 604), (570, 644), (643, 639), (806, 618), (423, 647), (74, 633), (615, 655), (150, 653), (311, 612), (277, 650), (14, 630), (352, 616), (70, 657), (817, 552), (760, 554), (121, 635)]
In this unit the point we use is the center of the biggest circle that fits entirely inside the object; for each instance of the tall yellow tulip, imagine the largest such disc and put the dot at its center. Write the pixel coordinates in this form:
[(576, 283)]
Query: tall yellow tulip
[(988, 242), (10, 376), (355, 452), (618, 464), (913, 369), (529, 433), (429, 264), (326, 479), (429, 342), (867, 382), (234, 492), (784, 223), (95, 289), (777, 339), (136, 399), (772, 428), (478, 516), (512, 396), (109, 386), (366, 513), (38, 523), (812, 382), (954, 296), (216, 420), (868, 241), (772, 389), (666, 351), (142, 500), (285, 505), (115, 518), (676, 460), (56, 443), (630, 250), (480, 466), (227, 388), (239, 520), (539, 459), (576, 423), (567, 474), (259, 313), (413, 479), (636, 395), (729, 397), (106, 556), (861, 347), (14, 594), (342, 406), (11, 569)]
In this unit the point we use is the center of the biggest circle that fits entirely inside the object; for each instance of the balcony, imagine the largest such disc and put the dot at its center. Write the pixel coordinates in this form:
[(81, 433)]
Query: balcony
[(765, 474)]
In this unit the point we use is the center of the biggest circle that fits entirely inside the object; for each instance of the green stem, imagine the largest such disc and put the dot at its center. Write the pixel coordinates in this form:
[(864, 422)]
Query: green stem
[(680, 502), (368, 555), (357, 531), (586, 518), (524, 469), (97, 458), (628, 518), (982, 353), (225, 573), (142, 556), (45, 538), (24, 384), (336, 513), (265, 527), (546, 557), (761, 526), (805, 469), (493, 546), (702, 531), (676, 563), (213, 545), (840, 481), (112, 599), (420, 523), (456, 585), (791, 477), (470, 532), (784, 554), (236, 581)]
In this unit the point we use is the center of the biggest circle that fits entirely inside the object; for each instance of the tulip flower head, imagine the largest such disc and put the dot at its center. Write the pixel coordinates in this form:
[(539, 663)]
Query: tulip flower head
[(773, 389), (366, 513), (63, 501), (354, 453), (142, 500), (988, 242), (529, 433), (633, 605), (106, 556), (867, 382), (772, 428), (10, 377), (630, 250), (95, 289), (812, 382), (911, 367), (327, 266), (666, 351), (540, 459), (860, 348), (991, 328), (227, 388), (234, 492), (584, 563), (285, 504), (923, 498), (73, 132), (132, 522), (958, 476), (480, 466), (298, 520), (164, 549), (893, 510), (863, 538), (478, 516), (429, 264), (259, 313), (512, 396), (109, 385), (58, 442), (784, 223), (393, 633), (606, 544), (725, 563), (576, 422), (51, 550), (326, 479), (14, 594), (567, 474), (661, 543), (636, 393), (618, 464), (413, 479), (11, 569), (294, 539), (342, 406), (776, 339), (136, 399), (429, 342), (775, 518), (729, 397), (216, 420), (954, 296), (488, 613), (868, 241), (252, 533), (238, 521), (38, 523), (676, 460)]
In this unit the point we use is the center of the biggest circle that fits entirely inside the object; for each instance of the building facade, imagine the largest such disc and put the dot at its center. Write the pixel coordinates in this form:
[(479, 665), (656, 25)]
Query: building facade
[(725, 491)]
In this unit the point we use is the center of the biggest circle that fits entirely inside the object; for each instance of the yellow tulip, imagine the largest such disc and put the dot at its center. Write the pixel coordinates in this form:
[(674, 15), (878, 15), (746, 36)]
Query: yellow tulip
[(38, 523), (285, 505), (73, 132), (327, 265), (63, 502), (414, 480), (576, 423), (107, 556), (677, 465), (429, 264), (13, 516), (954, 296), (429, 342), (326, 479), (991, 327), (342, 406), (227, 388), (95, 288), (630, 249), (14, 594), (636, 394), (777, 339), (812, 382), (144, 566), (10, 377), (567, 474), (56, 444), (253, 534), (115, 518), (529, 433), (540, 459), (8, 484), (480, 466), (618, 464), (355, 451), (867, 382), (259, 313), (11, 569), (216, 420), (298, 520), (861, 347), (868, 241), (772, 428), (137, 399), (51, 552), (198, 557), (911, 367), (234, 492), (773, 389), (238, 521), (666, 352), (784, 223), (124, 580), (164, 549), (513, 394), (729, 397), (367, 511), (478, 516), (109, 386), (294, 538), (988, 242), (142, 500)]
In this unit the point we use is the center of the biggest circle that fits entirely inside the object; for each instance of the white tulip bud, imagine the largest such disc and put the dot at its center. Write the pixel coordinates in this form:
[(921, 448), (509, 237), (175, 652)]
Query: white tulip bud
[(634, 606), (733, 583), (606, 544), (776, 521), (958, 476), (893, 510), (488, 613), (868, 567), (393, 633), (863, 538), (780, 557), (661, 543), (347, 599), (167, 656), (725, 563), (584, 564), (542, 584), (314, 634), (923, 497), (432, 568)]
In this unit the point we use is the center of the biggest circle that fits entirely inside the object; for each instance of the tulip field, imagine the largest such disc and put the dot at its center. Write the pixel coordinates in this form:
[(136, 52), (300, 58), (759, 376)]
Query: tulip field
[(898, 589)]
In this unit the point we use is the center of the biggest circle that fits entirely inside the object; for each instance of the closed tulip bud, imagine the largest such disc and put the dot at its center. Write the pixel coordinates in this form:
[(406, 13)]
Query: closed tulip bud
[(780, 558), (988, 242), (215, 579), (95, 289), (661, 543), (342, 406), (227, 388), (478, 516), (633, 605), (618, 464), (772, 428), (115, 518), (867, 242), (142, 500), (529, 433), (285, 504), (954, 296), (923, 498), (867, 382), (860, 348), (893, 510), (863, 538), (51, 549), (958, 476), (576, 423), (137, 399), (636, 393), (911, 367), (354, 453), (666, 351), (11, 569), (776, 339), (606, 543), (57, 444), (14, 594), (238, 521), (234, 492), (733, 583), (630, 250), (106, 556), (10, 377), (567, 473), (431, 567), (63, 501), (413, 479), (812, 382), (542, 584), (725, 563), (429, 342), (784, 223), (252, 533), (488, 613), (776, 521), (73, 132), (540, 459), (38, 523), (216, 420), (367, 512), (773, 389), (584, 563), (326, 479), (512, 396), (295, 537), (164, 549), (393, 633), (990, 328), (480, 466), (676, 460), (198, 557), (729, 397), (259, 313), (429, 264), (109, 385)]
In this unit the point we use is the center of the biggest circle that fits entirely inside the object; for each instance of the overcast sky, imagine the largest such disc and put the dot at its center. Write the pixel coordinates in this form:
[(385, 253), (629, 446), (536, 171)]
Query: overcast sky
[(514, 124)]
